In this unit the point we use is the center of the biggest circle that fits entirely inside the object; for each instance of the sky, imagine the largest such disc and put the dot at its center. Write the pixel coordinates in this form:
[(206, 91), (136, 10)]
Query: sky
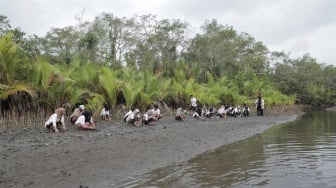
[(296, 27)]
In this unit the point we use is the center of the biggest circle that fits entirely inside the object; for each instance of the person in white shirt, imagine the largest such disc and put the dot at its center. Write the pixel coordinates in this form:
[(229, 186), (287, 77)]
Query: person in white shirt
[(134, 118), (76, 113), (56, 120), (221, 113), (105, 113), (193, 103), (246, 111), (157, 112), (198, 114), (85, 121), (149, 117), (180, 114), (127, 114)]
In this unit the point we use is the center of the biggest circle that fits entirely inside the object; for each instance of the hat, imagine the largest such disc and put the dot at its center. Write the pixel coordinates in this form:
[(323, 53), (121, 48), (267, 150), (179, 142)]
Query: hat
[(136, 110), (81, 107)]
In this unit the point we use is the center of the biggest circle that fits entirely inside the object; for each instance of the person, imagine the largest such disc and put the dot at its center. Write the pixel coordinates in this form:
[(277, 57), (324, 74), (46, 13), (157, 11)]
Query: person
[(221, 113), (193, 103), (234, 111), (76, 113), (198, 113), (149, 117), (260, 105), (134, 118), (105, 113), (246, 111), (211, 112), (127, 114), (56, 120), (85, 121), (157, 112), (180, 114)]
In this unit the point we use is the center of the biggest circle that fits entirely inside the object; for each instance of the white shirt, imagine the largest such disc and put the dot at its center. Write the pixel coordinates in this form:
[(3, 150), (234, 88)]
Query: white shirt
[(54, 119), (131, 116), (128, 113), (104, 112), (157, 112), (179, 112), (221, 110), (193, 101), (80, 120)]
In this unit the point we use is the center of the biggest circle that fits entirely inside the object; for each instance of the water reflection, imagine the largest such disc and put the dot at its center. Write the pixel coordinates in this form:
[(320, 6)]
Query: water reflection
[(296, 154)]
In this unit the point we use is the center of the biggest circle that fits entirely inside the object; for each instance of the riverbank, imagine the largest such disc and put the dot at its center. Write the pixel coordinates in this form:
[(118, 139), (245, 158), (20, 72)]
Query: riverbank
[(116, 151)]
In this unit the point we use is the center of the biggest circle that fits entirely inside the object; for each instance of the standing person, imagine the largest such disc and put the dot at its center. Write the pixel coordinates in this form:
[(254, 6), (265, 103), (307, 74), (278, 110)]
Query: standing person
[(56, 120), (260, 105), (193, 103)]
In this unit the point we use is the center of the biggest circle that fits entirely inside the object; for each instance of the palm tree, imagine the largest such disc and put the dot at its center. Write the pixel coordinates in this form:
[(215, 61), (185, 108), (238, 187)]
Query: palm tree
[(12, 73), (110, 83)]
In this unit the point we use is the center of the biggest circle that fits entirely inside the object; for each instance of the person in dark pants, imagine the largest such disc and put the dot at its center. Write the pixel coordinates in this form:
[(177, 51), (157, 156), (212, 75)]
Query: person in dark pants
[(260, 105)]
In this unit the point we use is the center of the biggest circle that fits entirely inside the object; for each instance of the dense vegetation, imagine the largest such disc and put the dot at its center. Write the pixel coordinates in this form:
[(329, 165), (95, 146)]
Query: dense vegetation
[(139, 60)]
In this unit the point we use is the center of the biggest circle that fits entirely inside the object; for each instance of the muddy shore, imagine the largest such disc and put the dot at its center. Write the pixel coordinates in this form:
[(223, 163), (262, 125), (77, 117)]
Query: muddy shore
[(116, 152)]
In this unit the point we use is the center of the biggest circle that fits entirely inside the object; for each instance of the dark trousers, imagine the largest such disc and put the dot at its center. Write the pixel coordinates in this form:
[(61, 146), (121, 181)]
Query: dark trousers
[(260, 111)]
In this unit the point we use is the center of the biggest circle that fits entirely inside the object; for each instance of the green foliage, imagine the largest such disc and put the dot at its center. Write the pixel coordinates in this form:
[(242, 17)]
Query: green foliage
[(109, 81), (95, 103)]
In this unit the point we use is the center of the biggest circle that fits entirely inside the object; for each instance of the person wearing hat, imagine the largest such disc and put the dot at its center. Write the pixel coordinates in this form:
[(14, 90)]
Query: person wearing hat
[(76, 113), (134, 118), (56, 120)]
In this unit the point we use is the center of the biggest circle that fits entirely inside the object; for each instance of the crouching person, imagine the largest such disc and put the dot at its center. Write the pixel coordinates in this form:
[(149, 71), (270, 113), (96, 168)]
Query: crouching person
[(76, 113), (85, 121), (133, 118), (246, 111), (149, 117), (180, 114), (56, 120)]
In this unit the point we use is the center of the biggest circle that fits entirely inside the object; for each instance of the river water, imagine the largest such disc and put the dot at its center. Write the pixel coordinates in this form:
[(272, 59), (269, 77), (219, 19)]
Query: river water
[(297, 154)]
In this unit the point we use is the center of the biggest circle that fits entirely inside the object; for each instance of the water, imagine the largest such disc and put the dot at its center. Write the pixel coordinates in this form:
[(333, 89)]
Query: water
[(297, 154)]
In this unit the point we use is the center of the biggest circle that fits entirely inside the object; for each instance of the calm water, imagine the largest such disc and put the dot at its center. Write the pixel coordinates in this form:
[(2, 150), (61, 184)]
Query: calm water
[(296, 154)]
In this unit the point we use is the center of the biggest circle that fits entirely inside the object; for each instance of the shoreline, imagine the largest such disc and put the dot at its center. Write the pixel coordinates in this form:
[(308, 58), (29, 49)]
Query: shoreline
[(116, 152)]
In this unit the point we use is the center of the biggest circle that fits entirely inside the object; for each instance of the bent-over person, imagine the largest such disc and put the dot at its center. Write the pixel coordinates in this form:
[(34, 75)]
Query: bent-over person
[(85, 121), (56, 120)]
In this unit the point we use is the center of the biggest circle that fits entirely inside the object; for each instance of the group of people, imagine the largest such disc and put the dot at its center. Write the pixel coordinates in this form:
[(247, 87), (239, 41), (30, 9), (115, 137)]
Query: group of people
[(222, 112), (81, 118), (151, 115)]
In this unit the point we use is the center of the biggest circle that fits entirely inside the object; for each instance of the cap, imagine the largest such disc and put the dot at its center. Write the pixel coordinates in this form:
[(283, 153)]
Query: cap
[(136, 110), (81, 107)]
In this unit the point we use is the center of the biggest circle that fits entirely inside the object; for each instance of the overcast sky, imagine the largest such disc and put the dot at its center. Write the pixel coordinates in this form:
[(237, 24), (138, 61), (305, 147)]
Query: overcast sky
[(293, 26)]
